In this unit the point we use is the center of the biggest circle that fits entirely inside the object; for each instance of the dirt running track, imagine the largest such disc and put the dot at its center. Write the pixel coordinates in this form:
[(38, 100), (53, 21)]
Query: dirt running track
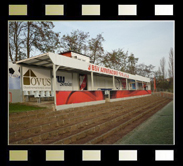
[(97, 124)]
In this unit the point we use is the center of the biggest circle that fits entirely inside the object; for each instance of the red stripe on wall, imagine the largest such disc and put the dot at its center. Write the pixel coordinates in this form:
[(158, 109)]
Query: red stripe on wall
[(69, 97), (128, 93)]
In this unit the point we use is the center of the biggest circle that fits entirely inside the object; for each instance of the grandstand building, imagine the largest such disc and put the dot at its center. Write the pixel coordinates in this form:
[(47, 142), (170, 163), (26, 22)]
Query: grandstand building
[(71, 80)]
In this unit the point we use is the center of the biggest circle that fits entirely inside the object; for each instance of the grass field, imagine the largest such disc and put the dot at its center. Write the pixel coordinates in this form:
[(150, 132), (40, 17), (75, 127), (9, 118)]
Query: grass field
[(18, 107), (158, 129)]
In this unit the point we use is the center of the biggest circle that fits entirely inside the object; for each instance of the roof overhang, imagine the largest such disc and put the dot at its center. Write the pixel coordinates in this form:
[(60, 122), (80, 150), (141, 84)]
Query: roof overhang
[(70, 64), (48, 59), (42, 60)]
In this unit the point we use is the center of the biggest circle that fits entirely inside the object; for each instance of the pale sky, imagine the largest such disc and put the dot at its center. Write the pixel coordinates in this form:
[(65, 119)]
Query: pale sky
[(147, 40)]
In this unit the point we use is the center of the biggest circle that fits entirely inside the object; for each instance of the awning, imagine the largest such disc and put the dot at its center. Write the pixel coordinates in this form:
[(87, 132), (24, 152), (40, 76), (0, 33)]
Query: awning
[(42, 60), (49, 59)]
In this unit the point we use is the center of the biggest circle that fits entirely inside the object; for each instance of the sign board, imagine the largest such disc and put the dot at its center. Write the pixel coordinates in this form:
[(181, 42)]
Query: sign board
[(63, 80), (105, 70), (36, 79)]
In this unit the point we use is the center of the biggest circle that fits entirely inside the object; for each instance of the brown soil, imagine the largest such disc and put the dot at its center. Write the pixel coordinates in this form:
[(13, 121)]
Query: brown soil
[(83, 118)]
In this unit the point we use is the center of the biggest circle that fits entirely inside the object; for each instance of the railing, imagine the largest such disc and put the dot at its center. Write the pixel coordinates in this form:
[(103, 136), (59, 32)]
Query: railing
[(162, 90), (163, 94)]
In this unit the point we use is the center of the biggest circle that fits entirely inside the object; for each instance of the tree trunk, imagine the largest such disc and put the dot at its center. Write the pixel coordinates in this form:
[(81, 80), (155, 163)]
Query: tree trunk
[(15, 41), (28, 34), (10, 54)]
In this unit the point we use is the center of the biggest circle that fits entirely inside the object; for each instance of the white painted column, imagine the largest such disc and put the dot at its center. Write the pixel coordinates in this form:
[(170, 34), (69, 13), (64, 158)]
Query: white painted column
[(55, 68), (126, 84), (121, 86), (54, 83), (21, 83), (72, 81), (142, 85), (135, 85), (113, 78), (92, 84)]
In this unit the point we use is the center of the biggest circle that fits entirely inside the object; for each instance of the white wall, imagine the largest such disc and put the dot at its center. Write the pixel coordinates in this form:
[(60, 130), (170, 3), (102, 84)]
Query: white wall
[(86, 66), (102, 82), (89, 81), (141, 78), (15, 95), (38, 81), (149, 86), (81, 57), (75, 85), (68, 81), (99, 81), (68, 62), (73, 79), (70, 77)]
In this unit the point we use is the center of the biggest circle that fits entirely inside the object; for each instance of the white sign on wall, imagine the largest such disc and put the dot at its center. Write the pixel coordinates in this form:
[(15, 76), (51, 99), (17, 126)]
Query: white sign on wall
[(63, 80), (36, 79)]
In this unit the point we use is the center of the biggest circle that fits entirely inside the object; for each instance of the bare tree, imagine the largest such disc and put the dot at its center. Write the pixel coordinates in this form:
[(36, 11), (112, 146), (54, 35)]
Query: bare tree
[(75, 41), (157, 74), (25, 37), (15, 40), (40, 36), (131, 67), (170, 70), (145, 70), (162, 67), (96, 49), (116, 59)]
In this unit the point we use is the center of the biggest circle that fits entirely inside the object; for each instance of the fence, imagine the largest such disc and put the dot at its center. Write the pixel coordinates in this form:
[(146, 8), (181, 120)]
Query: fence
[(164, 94)]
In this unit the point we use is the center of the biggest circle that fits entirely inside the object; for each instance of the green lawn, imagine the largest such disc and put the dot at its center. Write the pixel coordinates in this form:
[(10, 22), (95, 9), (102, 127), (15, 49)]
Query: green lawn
[(158, 129), (18, 107)]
